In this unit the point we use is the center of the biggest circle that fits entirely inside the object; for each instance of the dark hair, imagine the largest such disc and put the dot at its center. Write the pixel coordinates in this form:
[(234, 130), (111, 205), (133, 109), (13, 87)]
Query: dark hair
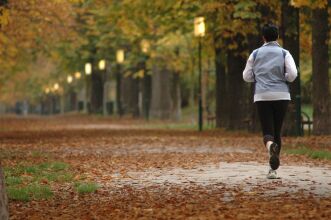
[(270, 32)]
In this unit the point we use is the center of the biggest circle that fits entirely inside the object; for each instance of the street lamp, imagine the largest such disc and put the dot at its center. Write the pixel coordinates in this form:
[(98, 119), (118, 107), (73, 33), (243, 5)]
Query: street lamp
[(144, 46), (102, 67), (47, 90), (56, 86), (78, 75), (120, 56), (88, 68), (54, 98), (199, 31), (199, 27), (102, 64), (69, 79)]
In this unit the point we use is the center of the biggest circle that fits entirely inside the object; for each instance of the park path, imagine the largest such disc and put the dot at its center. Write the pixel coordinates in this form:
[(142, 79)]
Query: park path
[(149, 172)]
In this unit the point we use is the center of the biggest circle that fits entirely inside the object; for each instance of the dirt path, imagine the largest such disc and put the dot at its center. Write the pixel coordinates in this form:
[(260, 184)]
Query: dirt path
[(143, 173)]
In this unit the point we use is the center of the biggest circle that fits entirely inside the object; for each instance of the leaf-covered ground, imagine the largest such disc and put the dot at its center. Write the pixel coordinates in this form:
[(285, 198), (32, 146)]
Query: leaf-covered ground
[(77, 167)]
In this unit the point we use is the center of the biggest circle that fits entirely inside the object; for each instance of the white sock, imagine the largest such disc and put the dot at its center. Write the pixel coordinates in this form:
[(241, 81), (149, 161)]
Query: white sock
[(268, 145)]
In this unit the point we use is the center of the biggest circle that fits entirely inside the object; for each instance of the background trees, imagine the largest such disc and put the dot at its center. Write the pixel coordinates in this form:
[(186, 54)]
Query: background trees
[(49, 41)]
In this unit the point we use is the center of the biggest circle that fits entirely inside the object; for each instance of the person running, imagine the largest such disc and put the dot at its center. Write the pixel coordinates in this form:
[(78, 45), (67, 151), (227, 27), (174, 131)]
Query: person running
[(271, 68)]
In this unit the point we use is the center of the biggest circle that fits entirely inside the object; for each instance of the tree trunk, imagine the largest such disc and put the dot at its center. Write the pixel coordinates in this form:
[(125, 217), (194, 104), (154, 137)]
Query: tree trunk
[(62, 103), (126, 89), (290, 35), (73, 101), (321, 86), (4, 215), (130, 96), (134, 97), (119, 108), (96, 92), (147, 93), (105, 99), (254, 42), (176, 96), (221, 114), (237, 90), (161, 106)]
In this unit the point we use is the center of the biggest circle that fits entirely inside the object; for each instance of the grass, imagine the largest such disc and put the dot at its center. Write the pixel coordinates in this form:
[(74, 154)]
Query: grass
[(13, 180), (9, 154), (83, 188), (53, 170), (19, 194), (314, 154), (26, 193), (56, 177), (39, 154), (25, 183)]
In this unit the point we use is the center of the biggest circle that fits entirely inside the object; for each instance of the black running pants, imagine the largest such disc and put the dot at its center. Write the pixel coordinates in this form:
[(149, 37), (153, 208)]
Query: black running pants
[(272, 114)]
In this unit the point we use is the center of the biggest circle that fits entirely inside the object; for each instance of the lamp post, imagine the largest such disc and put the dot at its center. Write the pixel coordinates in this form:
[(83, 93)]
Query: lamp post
[(102, 67), (120, 57), (55, 89), (88, 71), (298, 106), (68, 97), (78, 103), (199, 31), (146, 97)]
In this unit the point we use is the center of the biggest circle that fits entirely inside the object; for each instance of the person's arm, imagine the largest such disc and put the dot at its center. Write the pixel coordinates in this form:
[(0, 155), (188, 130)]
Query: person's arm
[(248, 75), (290, 67)]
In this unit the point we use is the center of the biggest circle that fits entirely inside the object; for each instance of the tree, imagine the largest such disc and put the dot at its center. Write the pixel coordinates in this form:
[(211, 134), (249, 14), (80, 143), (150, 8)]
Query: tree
[(237, 88), (215, 12), (320, 56), (231, 23), (161, 105), (3, 197), (290, 36)]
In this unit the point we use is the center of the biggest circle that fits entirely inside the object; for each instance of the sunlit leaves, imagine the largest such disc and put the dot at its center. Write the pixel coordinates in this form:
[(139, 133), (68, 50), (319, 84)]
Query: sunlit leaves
[(33, 28), (245, 10), (4, 15), (310, 3)]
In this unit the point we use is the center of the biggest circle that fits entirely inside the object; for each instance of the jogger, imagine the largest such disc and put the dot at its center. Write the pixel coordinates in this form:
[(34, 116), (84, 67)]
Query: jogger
[(271, 67)]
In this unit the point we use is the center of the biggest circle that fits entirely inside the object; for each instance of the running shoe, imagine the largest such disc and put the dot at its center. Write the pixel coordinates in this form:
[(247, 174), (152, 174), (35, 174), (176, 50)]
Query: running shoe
[(274, 156), (272, 174)]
